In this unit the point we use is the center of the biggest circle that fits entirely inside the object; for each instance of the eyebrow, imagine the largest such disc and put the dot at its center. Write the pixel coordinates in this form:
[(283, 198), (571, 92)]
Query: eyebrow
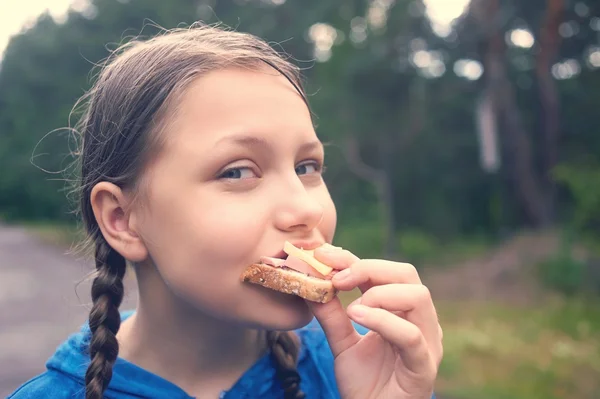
[(254, 142)]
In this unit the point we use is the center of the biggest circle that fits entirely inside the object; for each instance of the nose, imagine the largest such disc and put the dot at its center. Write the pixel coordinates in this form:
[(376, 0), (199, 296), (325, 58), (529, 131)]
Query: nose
[(298, 210)]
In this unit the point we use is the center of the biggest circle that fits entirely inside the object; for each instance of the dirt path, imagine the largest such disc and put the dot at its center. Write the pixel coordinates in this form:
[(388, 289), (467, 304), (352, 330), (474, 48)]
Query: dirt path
[(39, 304), (503, 274)]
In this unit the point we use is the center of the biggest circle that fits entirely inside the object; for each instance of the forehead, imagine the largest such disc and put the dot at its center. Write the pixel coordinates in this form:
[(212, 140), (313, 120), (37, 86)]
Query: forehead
[(234, 101)]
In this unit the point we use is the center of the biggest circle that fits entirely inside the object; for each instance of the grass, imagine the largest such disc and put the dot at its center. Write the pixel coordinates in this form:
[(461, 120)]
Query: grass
[(495, 351)]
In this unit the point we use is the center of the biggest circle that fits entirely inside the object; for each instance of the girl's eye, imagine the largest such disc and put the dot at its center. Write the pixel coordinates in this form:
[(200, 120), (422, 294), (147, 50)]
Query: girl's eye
[(238, 173), (308, 168)]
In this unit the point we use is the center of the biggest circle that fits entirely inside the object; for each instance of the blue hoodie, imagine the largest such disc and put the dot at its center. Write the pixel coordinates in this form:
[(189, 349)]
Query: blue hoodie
[(66, 369)]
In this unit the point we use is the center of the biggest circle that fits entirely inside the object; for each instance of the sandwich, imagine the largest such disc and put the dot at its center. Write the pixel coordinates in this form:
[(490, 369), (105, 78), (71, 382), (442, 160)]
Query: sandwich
[(298, 273)]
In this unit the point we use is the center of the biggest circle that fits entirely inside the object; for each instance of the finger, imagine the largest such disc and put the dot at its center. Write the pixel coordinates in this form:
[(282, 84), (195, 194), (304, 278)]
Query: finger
[(441, 345), (336, 324), (367, 273), (401, 333), (335, 257), (414, 300)]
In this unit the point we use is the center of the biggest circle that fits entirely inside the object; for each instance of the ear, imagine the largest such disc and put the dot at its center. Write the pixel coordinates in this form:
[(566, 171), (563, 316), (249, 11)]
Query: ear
[(109, 204)]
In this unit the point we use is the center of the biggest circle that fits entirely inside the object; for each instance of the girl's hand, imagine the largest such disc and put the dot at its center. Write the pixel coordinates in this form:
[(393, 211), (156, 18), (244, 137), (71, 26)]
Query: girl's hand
[(400, 355)]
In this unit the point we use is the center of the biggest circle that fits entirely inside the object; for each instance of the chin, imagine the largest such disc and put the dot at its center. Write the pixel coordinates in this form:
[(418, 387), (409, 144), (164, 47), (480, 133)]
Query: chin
[(277, 311)]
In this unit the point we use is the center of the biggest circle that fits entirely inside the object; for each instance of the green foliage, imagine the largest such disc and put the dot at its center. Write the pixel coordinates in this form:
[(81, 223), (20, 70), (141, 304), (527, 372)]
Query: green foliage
[(563, 273), (498, 351), (416, 246), (367, 88), (364, 239), (577, 317), (582, 181), (419, 248)]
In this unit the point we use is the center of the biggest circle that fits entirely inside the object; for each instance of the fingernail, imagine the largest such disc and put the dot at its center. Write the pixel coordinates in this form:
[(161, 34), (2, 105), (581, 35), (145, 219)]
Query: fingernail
[(359, 311), (329, 248), (325, 250), (342, 275)]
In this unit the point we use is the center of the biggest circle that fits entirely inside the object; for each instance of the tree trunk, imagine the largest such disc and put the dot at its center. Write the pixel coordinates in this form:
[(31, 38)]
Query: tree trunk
[(389, 147), (535, 201), (530, 192), (387, 197), (549, 45), (380, 178)]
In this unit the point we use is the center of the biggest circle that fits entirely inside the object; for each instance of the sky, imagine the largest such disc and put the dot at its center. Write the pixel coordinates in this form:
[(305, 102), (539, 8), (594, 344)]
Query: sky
[(15, 14)]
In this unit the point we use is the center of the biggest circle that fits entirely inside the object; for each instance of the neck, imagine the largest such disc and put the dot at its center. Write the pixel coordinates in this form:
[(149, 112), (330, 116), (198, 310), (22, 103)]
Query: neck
[(195, 351)]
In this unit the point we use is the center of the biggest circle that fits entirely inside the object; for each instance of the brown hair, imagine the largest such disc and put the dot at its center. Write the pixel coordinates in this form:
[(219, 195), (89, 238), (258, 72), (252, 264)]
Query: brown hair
[(120, 129)]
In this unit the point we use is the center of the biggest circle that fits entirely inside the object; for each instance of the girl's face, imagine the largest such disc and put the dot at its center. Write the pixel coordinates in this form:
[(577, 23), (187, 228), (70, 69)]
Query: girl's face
[(240, 173)]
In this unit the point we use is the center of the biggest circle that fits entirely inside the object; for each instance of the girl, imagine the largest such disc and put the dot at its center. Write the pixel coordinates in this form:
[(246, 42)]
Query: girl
[(198, 157)]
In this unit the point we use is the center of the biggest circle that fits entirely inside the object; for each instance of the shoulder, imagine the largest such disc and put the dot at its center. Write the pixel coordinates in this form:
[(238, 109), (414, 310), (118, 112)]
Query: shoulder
[(48, 385)]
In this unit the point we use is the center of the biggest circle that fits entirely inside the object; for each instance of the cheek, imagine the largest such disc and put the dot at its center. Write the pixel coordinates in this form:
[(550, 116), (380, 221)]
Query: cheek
[(200, 244), (207, 227), (200, 247), (328, 224)]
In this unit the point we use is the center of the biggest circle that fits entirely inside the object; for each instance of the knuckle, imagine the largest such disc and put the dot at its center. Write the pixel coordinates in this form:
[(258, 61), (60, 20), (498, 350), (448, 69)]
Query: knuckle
[(371, 297), (440, 356), (349, 258), (347, 254), (377, 317), (439, 346), (414, 338), (423, 294), (330, 315), (411, 269), (358, 268)]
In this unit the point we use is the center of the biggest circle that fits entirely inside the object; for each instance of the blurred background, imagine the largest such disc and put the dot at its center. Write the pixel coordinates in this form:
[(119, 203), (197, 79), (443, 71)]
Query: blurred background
[(464, 137)]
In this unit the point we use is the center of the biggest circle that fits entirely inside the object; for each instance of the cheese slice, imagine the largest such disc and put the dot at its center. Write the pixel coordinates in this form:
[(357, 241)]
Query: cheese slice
[(311, 252), (306, 256)]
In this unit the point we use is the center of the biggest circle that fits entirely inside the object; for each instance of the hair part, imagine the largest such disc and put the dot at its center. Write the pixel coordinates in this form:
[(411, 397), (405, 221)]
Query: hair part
[(126, 112)]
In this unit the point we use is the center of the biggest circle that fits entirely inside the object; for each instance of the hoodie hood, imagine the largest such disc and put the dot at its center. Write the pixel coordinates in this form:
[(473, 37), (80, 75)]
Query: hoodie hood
[(128, 380), (72, 359)]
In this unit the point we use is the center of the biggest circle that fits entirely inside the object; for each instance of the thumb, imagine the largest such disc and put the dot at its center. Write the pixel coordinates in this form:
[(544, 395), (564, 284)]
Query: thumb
[(338, 328)]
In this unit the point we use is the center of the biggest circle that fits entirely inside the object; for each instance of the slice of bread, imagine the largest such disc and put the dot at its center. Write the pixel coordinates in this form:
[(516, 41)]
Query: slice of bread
[(289, 281)]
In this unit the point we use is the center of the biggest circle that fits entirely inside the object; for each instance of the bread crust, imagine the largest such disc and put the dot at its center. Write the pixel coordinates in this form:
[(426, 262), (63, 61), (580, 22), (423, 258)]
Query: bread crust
[(290, 281)]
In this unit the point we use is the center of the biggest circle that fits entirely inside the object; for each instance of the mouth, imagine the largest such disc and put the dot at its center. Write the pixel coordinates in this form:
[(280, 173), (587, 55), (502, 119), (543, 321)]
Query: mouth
[(272, 259), (281, 255), (305, 245)]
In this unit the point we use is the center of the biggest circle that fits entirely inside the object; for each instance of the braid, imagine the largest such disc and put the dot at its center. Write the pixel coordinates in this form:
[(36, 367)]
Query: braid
[(284, 350), (105, 320)]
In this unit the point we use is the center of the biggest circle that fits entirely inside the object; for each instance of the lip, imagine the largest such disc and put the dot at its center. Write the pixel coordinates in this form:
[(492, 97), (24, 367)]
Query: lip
[(308, 245)]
